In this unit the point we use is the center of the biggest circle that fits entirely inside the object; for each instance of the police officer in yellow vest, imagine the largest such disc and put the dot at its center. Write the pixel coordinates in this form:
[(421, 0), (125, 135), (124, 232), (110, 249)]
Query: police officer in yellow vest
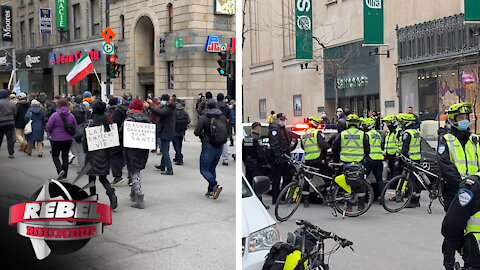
[(352, 147), (315, 147), (458, 158), (392, 144), (374, 161)]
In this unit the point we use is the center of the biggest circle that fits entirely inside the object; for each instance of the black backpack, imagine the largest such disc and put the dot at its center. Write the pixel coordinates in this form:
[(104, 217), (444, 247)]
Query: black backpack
[(218, 131), (181, 122), (68, 126), (275, 259)]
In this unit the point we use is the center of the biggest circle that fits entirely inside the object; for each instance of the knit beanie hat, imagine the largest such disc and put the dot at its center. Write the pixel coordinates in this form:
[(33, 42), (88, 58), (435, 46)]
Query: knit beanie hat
[(137, 104)]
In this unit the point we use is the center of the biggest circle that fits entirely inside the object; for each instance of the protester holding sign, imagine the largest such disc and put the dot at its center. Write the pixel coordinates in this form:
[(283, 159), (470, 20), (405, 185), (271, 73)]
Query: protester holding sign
[(100, 157)]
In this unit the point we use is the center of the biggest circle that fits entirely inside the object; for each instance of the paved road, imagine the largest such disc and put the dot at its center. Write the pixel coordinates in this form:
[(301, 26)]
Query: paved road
[(178, 229), (408, 240)]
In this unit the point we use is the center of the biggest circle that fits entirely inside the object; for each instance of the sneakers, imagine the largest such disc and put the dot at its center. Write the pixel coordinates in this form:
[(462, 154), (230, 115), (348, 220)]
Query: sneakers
[(117, 180), (160, 167), (130, 183), (167, 172), (71, 157), (214, 193), (179, 163), (225, 163), (11, 157)]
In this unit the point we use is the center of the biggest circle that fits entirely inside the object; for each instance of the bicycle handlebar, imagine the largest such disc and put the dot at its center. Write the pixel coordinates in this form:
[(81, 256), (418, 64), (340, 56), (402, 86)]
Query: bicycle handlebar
[(342, 241)]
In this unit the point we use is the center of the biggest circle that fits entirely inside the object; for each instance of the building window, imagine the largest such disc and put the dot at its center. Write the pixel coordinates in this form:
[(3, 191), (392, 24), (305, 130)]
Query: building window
[(22, 2), (122, 22), (288, 28), (95, 17), (170, 17), (76, 21), (22, 34), (32, 32), (170, 75)]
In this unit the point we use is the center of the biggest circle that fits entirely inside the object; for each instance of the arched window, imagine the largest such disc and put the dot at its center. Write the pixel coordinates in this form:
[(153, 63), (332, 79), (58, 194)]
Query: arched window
[(170, 16)]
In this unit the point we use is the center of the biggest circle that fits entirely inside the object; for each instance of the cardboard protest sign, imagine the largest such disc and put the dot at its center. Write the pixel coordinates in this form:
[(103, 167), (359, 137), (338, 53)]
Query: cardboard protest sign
[(139, 135), (98, 139)]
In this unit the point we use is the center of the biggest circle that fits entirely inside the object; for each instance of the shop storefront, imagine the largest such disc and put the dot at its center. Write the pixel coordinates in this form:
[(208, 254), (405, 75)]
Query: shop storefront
[(34, 73), (356, 75), (63, 59)]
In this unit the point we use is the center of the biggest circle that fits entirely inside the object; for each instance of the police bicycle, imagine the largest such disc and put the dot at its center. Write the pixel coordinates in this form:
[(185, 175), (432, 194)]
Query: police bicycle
[(309, 247), (340, 196), (398, 192)]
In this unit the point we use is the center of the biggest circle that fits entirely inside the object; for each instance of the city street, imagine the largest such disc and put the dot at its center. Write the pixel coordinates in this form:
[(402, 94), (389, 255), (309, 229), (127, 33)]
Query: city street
[(178, 229), (408, 240)]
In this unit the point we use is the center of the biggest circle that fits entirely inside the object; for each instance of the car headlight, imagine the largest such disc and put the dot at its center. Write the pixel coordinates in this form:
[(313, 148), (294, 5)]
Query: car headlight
[(263, 239)]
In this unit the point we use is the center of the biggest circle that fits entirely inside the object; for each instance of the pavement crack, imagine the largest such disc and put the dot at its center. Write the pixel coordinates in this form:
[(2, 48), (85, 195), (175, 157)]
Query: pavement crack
[(177, 227), (137, 250)]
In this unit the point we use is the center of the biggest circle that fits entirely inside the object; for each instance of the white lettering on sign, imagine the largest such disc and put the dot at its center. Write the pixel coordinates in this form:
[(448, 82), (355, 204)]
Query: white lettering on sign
[(29, 60), (98, 139), (7, 31), (375, 4), (139, 135), (304, 5)]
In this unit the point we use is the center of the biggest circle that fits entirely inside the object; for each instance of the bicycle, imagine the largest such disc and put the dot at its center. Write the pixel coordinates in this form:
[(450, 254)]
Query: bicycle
[(398, 192), (339, 195), (309, 240)]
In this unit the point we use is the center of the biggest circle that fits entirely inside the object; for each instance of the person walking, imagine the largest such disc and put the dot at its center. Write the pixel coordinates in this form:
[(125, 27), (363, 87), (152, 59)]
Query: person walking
[(223, 107), (8, 110), (116, 153), (211, 145), (35, 113), (22, 106), (99, 159), (81, 114), (181, 126), (60, 138)]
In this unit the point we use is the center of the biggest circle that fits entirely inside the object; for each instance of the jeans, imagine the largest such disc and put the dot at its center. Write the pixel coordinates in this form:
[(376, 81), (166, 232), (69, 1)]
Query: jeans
[(8, 130), (165, 148), (177, 145), (375, 166), (209, 158), (64, 148), (116, 161), (79, 154), (225, 152)]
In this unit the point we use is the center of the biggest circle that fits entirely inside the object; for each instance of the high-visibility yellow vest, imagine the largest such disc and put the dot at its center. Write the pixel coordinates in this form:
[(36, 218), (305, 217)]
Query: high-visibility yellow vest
[(351, 145), (310, 144), (466, 159), (392, 143), (414, 152), (375, 143)]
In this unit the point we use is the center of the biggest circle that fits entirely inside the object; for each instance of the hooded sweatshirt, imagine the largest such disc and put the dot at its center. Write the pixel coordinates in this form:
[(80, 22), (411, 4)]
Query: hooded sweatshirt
[(202, 129), (7, 109), (56, 128)]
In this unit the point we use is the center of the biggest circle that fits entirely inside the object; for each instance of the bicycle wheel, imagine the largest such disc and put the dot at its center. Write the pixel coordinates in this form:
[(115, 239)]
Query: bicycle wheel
[(348, 202), (288, 201), (396, 194)]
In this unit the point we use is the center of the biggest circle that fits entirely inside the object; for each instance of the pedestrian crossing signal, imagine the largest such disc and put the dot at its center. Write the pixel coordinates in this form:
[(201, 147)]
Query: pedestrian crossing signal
[(222, 62)]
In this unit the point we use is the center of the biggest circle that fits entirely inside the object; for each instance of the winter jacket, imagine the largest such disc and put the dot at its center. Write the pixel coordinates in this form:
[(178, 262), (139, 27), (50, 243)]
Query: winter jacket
[(223, 107), (166, 123), (135, 158), (7, 111), (56, 128), (22, 107), (202, 130), (120, 114), (182, 120), (81, 113), (38, 123), (99, 159), (154, 118)]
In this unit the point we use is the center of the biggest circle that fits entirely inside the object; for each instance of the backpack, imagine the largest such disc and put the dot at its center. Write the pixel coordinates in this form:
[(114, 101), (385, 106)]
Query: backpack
[(69, 128), (181, 123), (275, 259), (218, 131)]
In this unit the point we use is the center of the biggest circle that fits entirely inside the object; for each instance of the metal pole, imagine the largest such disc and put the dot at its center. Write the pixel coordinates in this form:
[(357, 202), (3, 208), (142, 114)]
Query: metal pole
[(107, 23), (14, 59)]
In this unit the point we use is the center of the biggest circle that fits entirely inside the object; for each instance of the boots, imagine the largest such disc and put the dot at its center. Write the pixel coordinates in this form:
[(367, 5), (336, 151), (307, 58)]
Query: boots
[(23, 147), (138, 202), (113, 198)]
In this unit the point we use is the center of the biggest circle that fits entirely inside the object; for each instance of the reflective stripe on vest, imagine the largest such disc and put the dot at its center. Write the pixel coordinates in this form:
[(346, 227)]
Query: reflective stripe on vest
[(352, 145), (466, 159), (310, 144), (391, 144), (473, 224), (414, 152), (375, 143)]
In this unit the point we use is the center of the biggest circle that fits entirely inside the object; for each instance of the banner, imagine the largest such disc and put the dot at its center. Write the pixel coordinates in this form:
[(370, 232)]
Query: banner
[(61, 14), (45, 21), (303, 29), (472, 11), (6, 23), (372, 22), (139, 135), (98, 139)]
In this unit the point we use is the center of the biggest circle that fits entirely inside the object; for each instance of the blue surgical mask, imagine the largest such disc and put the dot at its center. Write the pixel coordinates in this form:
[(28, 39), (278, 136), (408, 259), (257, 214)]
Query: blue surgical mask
[(163, 102), (463, 125), (281, 123)]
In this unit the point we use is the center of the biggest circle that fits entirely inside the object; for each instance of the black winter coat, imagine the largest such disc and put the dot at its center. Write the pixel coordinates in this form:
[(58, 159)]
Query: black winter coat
[(135, 158), (99, 159), (202, 129), (22, 108), (166, 123), (182, 120)]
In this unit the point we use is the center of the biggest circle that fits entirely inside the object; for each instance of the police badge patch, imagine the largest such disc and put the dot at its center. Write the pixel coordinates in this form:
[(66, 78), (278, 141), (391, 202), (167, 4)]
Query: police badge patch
[(441, 149), (274, 133), (464, 196)]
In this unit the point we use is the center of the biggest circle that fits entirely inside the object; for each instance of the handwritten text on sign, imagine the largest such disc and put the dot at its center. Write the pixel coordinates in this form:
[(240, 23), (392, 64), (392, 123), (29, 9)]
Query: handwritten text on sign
[(138, 135), (98, 139)]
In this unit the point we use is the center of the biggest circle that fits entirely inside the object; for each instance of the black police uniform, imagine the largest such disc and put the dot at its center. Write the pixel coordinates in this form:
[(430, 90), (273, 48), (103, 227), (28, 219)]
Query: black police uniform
[(451, 181), (464, 205), (279, 145), (254, 156)]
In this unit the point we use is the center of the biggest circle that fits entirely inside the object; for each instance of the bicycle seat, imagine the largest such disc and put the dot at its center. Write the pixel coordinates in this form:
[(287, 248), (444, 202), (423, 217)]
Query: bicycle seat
[(335, 165)]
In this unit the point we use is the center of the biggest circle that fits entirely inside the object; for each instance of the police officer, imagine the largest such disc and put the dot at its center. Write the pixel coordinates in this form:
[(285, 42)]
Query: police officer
[(411, 149), (374, 161), (315, 148), (392, 144), (458, 158), (254, 155), (351, 147), (279, 146)]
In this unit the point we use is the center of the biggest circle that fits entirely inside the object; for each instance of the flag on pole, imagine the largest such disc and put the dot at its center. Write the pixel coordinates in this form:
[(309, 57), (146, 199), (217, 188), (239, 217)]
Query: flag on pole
[(16, 89), (80, 70)]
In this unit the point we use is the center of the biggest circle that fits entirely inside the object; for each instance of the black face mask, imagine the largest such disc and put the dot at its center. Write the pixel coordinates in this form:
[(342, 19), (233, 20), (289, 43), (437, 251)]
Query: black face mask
[(391, 127)]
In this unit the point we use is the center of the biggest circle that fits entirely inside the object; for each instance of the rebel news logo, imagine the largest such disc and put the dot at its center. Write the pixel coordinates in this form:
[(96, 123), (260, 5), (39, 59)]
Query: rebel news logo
[(60, 218)]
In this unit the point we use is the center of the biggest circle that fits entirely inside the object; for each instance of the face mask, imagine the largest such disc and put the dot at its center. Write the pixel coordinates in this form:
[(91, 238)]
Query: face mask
[(281, 123), (463, 125), (163, 102), (324, 115)]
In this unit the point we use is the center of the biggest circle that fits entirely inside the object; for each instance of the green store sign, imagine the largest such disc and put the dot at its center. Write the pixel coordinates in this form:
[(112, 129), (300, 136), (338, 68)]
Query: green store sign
[(303, 29), (62, 14), (352, 82)]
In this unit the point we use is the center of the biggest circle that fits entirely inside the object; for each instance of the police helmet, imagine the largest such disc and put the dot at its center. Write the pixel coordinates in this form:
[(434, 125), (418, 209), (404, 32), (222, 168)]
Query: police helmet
[(353, 120), (457, 109)]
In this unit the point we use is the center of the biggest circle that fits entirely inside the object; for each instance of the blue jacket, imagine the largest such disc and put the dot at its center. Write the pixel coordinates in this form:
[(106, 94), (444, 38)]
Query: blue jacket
[(38, 123)]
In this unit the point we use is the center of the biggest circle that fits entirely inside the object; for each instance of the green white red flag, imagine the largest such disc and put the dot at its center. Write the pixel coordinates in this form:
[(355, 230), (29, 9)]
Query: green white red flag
[(80, 70)]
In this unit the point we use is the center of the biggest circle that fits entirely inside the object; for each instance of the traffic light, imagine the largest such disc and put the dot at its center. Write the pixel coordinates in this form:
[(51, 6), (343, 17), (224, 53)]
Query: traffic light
[(222, 62), (114, 68)]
